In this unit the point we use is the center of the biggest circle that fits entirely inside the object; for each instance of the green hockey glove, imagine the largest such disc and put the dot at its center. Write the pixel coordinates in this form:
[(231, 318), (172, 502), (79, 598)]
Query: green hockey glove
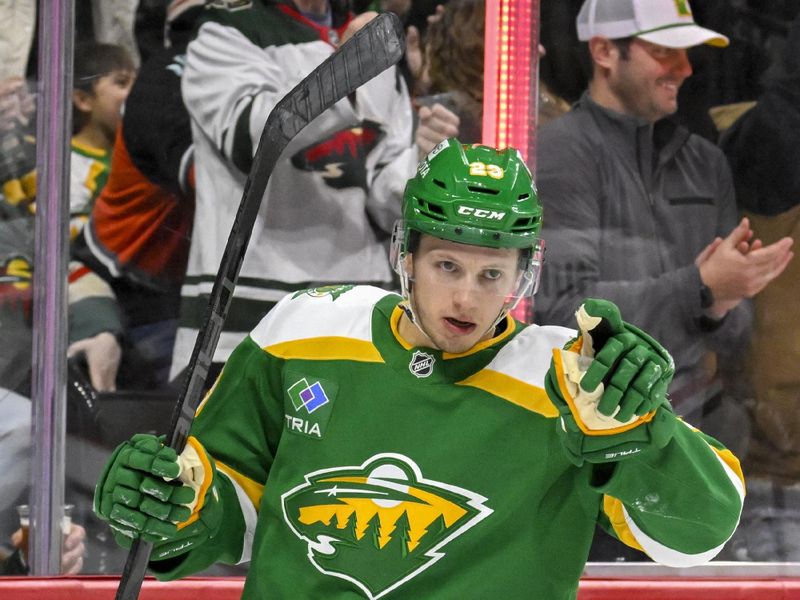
[(610, 386), (146, 490)]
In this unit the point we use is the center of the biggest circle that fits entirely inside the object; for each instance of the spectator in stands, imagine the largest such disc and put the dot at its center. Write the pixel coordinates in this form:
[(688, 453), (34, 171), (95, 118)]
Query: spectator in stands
[(138, 234), (762, 149), (72, 553), (18, 143), (331, 199), (640, 211), (103, 77), (449, 78), (15, 464), (94, 321), (16, 37), (15, 446), (451, 74), (113, 23)]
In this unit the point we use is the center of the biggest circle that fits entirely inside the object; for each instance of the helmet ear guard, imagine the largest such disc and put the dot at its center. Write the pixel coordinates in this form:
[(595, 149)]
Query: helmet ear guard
[(398, 251)]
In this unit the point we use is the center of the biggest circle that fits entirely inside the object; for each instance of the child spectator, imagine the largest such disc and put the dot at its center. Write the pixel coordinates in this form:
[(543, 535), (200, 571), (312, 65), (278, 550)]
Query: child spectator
[(104, 74), (137, 237)]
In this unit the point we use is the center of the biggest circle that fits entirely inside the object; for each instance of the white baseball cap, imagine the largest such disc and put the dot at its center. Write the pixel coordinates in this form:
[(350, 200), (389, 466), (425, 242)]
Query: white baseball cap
[(664, 22)]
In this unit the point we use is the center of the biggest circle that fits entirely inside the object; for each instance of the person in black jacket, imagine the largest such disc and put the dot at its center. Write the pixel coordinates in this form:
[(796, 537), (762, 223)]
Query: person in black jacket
[(761, 147)]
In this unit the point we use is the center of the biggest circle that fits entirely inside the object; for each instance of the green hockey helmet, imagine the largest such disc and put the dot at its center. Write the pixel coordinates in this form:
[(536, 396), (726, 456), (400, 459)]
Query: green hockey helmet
[(475, 195)]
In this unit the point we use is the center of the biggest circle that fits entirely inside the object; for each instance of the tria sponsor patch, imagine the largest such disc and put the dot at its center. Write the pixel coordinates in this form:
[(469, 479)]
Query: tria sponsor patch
[(421, 364), (310, 400), (308, 396), (379, 524)]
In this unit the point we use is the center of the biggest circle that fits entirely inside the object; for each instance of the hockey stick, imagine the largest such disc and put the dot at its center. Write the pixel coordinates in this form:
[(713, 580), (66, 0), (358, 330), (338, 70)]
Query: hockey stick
[(373, 49)]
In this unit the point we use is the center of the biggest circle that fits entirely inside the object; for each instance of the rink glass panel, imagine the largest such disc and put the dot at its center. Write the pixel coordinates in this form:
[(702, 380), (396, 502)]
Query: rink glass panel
[(758, 388)]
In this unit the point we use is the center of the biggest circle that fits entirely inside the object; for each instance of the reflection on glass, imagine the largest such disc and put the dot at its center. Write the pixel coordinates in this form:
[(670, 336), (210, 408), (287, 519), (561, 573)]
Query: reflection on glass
[(133, 250)]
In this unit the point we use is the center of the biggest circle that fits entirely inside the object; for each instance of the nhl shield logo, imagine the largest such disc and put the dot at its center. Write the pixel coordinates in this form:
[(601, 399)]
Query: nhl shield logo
[(379, 524), (421, 364)]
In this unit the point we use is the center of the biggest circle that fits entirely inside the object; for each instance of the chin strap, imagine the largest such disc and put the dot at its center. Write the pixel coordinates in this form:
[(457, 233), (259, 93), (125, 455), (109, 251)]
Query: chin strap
[(407, 309)]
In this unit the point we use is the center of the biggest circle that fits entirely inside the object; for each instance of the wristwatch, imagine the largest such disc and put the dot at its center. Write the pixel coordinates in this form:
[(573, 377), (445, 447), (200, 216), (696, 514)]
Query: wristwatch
[(706, 297)]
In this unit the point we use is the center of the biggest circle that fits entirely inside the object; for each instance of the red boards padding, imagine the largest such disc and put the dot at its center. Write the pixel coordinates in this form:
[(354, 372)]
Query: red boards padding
[(224, 588)]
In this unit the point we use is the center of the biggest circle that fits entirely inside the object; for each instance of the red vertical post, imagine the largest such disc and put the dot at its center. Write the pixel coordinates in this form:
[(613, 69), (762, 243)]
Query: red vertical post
[(510, 84), (511, 75)]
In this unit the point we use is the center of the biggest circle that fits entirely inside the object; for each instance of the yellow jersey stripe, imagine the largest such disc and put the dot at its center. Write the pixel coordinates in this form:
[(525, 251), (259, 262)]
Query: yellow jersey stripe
[(725, 455), (253, 489), (204, 486), (87, 149), (613, 509), (529, 397), (202, 404), (327, 348), (730, 459)]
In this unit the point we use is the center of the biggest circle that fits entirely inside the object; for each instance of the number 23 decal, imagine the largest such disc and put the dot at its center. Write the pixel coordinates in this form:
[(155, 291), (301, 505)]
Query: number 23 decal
[(480, 169)]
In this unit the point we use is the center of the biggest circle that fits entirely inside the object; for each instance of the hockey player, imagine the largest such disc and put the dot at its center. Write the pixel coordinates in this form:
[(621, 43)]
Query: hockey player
[(426, 445)]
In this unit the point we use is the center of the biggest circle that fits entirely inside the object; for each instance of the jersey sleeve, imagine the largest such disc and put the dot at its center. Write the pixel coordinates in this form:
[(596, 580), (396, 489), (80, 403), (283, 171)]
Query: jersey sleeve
[(395, 159), (239, 424), (241, 419), (93, 308), (156, 128), (230, 85), (679, 505)]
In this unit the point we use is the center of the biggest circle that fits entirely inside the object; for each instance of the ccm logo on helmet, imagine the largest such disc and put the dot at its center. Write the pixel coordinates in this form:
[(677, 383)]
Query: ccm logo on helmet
[(481, 213)]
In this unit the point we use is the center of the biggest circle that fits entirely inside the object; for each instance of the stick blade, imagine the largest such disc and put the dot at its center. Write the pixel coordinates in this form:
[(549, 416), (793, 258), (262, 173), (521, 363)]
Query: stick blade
[(373, 49)]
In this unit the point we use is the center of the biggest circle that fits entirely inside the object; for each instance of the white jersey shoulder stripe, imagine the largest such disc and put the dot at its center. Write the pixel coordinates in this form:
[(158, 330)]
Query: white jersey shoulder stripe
[(518, 371), (330, 312), (527, 357)]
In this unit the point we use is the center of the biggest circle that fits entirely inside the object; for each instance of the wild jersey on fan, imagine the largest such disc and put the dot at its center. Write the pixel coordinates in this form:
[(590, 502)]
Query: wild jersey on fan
[(334, 196), (338, 501), (88, 177)]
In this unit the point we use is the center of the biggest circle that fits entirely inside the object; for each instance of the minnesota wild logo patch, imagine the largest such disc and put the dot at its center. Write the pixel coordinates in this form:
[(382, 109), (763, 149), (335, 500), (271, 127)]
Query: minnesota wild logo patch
[(334, 291), (380, 524)]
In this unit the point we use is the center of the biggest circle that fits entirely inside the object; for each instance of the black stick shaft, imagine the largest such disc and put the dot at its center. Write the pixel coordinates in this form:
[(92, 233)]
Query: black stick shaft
[(373, 49)]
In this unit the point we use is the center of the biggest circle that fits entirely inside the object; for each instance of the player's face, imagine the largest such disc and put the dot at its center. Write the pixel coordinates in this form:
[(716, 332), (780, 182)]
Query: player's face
[(646, 83), (459, 290), (110, 93)]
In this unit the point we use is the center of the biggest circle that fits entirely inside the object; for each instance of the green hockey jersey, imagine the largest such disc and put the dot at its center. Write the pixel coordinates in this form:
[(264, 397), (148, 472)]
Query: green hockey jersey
[(355, 465)]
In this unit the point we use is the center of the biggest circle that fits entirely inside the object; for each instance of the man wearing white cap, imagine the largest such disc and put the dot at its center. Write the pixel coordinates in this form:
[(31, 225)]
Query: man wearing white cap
[(642, 212)]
